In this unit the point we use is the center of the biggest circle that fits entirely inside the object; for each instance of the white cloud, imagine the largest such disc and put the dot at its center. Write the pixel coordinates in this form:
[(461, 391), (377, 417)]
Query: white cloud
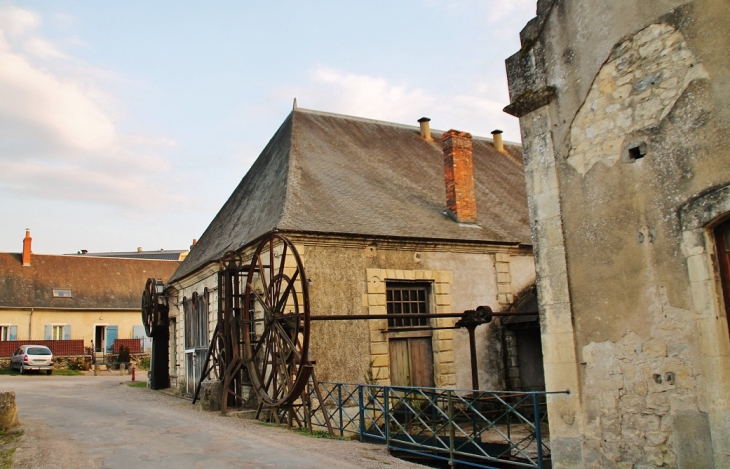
[(477, 110), (58, 137)]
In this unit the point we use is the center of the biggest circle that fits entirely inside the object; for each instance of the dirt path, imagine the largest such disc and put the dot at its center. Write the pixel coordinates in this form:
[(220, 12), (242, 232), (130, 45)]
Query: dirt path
[(95, 422)]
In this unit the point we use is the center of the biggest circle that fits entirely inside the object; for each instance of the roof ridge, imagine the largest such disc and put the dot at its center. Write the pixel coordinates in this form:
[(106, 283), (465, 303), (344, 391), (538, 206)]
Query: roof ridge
[(386, 123)]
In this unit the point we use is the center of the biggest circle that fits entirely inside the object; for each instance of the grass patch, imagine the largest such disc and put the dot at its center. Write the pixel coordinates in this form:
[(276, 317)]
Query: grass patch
[(137, 384), (318, 434), (8, 443)]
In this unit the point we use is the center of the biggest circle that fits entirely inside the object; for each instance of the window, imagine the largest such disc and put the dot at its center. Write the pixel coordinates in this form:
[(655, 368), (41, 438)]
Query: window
[(57, 332), (407, 298), (61, 293), (196, 321), (8, 332)]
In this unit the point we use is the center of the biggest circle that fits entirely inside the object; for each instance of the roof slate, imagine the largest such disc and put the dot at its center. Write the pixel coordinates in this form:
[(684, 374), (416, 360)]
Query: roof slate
[(95, 282), (329, 173)]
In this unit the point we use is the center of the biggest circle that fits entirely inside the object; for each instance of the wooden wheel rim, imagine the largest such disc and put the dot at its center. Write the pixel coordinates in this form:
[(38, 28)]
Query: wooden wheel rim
[(276, 330)]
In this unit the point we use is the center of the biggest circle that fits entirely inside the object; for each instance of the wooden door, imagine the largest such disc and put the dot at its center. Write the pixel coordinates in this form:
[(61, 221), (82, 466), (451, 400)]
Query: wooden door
[(722, 243), (411, 362)]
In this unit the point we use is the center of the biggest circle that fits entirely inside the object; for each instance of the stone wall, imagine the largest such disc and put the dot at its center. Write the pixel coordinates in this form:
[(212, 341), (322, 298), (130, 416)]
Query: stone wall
[(624, 112)]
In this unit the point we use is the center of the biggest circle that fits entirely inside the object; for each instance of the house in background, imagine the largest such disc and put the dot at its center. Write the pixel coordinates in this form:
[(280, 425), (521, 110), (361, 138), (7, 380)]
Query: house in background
[(60, 297), (379, 212), (624, 108)]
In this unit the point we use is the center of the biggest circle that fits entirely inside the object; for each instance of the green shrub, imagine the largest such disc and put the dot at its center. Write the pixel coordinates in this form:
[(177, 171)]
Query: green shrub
[(144, 364), (123, 354)]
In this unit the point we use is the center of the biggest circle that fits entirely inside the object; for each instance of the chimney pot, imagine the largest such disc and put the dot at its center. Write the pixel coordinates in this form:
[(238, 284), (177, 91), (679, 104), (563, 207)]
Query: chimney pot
[(26, 248), (425, 128), (497, 139), (459, 176), (139, 249)]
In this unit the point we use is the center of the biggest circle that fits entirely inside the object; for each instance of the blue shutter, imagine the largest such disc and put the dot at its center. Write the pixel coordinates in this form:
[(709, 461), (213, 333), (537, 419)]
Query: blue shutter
[(111, 336), (13, 333), (138, 331), (67, 332), (48, 333)]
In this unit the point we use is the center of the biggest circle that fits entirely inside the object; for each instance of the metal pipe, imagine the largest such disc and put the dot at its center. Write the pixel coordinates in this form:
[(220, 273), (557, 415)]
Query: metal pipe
[(358, 317)]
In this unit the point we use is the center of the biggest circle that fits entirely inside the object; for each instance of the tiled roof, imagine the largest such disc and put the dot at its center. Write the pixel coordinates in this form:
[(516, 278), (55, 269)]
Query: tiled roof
[(328, 173), (158, 255), (94, 282)]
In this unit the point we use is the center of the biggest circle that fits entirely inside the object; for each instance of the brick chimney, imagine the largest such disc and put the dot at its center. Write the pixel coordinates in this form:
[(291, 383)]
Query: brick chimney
[(26, 248), (459, 176)]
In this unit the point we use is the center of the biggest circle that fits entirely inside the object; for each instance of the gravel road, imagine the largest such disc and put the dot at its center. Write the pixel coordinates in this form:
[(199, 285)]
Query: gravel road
[(100, 422)]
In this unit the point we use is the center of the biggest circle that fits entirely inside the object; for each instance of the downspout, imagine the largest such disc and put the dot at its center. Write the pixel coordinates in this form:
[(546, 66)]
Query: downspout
[(30, 323)]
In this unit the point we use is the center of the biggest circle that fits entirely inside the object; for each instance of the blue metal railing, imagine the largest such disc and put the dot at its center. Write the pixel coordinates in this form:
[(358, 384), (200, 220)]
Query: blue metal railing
[(477, 428)]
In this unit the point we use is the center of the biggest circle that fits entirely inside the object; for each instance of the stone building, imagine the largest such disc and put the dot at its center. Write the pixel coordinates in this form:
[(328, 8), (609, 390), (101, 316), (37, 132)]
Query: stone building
[(60, 297), (365, 203), (624, 109)]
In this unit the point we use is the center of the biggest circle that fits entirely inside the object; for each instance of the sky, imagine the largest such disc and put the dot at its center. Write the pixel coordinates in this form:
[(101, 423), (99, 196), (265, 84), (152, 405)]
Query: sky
[(128, 124)]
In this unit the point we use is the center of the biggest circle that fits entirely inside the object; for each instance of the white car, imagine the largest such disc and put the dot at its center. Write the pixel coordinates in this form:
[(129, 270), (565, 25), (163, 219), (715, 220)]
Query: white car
[(32, 357)]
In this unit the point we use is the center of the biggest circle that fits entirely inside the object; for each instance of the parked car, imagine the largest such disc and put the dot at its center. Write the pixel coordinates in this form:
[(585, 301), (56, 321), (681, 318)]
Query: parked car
[(32, 357)]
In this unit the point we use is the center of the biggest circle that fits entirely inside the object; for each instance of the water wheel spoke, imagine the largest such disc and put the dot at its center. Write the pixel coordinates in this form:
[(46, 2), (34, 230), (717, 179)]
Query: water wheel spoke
[(287, 340), (285, 297), (275, 359), (262, 275)]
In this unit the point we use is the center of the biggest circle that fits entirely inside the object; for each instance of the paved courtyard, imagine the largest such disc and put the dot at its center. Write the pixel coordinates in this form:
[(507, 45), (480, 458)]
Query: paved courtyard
[(100, 422)]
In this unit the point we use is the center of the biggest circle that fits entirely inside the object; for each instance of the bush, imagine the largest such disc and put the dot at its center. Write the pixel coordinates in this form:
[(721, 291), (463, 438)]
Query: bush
[(144, 364), (123, 354)]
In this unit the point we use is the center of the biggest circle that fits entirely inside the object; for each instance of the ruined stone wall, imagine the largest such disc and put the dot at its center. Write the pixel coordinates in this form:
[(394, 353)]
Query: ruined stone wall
[(625, 109)]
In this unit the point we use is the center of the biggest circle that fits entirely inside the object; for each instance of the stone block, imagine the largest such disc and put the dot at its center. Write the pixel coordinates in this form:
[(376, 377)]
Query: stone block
[(377, 310), (693, 440), (693, 243), (561, 376), (503, 277), (444, 334), (211, 393), (445, 357), (375, 285), (504, 288), (502, 257), (377, 336), (547, 205), (558, 348), (443, 288), (701, 296), (444, 276), (376, 300), (654, 349), (377, 324), (380, 360), (556, 318), (8, 410), (445, 345), (379, 348), (443, 300), (502, 267), (698, 269)]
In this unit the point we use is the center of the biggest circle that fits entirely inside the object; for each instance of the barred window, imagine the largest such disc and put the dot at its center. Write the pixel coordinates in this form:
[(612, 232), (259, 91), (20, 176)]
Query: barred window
[(407, 298), (196, 320)]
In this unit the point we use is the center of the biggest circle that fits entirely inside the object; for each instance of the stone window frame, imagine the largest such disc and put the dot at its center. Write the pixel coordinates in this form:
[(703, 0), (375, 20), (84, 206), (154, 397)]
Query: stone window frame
[(444, 369), (698, 219)]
